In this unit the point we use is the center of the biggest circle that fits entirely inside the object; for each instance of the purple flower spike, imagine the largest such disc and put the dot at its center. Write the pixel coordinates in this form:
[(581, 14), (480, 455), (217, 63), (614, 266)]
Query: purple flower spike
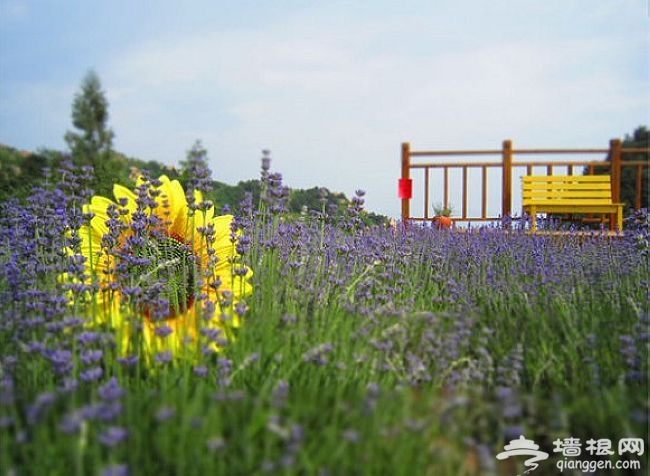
[(201, 371), (163, 331), (164, 357), (113, 436), (165, 413), (92, 374), (116, 470), (111, 390)]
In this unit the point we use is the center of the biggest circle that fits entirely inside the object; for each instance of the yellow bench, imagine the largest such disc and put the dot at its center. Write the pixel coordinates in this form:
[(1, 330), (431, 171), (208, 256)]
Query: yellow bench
[(570, 194)]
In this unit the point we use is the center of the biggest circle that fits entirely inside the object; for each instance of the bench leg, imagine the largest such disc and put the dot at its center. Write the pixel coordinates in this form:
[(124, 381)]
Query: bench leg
[(533, 215), (616, 220)]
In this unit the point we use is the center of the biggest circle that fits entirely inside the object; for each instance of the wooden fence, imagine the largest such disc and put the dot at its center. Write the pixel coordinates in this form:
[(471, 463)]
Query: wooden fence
[(509, 160)]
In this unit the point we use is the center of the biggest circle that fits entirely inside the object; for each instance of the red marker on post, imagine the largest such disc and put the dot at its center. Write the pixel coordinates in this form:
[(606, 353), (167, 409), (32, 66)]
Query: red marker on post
[(405, 189)]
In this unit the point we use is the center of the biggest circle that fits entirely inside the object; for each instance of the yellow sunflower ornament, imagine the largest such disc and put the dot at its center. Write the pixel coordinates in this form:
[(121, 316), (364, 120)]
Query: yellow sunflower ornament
[(169, 275)]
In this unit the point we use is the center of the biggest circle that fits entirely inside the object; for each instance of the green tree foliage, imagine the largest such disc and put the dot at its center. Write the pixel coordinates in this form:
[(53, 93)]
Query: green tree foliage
[(19, 172), (233, 195), (195, 171), (156, 169), (92, 141), (639, 139), (314, 199)]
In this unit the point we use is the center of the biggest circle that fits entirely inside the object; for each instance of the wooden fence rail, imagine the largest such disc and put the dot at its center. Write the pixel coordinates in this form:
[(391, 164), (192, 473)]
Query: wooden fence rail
[(508, 160)]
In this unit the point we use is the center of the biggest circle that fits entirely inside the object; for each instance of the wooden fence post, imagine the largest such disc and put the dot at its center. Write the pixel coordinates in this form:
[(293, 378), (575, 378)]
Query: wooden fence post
[(615, 154), (406, 175), (506, 182), (638, 187)]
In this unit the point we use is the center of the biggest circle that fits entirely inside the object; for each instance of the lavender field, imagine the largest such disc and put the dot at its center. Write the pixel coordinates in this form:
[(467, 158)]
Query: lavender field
[(146, 334)]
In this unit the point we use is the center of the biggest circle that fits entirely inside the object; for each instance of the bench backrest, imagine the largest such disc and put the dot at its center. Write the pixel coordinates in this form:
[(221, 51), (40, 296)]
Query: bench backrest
[(567, 189)]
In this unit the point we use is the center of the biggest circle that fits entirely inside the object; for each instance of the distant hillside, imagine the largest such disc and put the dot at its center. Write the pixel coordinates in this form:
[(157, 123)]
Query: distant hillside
[(21, 171)]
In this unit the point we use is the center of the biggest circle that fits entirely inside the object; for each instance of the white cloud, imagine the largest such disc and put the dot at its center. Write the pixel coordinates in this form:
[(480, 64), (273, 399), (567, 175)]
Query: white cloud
[(334, 108), (13, 9)]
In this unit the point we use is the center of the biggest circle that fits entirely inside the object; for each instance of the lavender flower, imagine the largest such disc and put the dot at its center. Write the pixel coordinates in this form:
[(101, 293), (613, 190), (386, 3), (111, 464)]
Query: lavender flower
[(91, 356), (200, 371), (319, 354), (116, 470), (36, 410), (165, 413), (111, 391), (164, 357), (92, 374), (113, 436)]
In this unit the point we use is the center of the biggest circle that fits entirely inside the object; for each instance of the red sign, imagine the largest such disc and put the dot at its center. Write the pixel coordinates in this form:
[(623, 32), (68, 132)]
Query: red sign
[(405, 189)]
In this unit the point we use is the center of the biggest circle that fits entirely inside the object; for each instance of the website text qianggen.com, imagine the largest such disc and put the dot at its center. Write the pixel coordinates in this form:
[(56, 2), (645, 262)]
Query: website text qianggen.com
[(587, 466)]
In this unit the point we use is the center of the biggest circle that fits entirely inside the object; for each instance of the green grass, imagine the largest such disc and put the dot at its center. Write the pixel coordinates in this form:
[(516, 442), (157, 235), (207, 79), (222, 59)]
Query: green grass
[(389, 356)]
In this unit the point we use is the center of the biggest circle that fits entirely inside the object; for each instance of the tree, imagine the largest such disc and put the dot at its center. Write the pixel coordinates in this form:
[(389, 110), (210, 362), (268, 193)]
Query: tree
[(195, 171), (91, 143), (639, 139), (19, 172), (315, 198)]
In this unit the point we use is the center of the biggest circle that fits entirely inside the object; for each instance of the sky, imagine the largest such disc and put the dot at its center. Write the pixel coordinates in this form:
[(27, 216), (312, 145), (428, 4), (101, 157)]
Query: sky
[(331, 88)]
